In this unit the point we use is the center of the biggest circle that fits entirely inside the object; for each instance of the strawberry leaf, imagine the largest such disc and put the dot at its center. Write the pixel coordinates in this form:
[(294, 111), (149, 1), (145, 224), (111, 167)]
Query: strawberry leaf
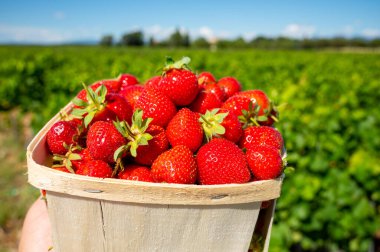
[(119, 152), (88, 118), (79, 102), (79, 112)]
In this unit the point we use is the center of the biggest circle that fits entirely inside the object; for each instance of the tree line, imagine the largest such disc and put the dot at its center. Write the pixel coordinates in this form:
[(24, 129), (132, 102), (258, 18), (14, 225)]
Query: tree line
[(178, 39)]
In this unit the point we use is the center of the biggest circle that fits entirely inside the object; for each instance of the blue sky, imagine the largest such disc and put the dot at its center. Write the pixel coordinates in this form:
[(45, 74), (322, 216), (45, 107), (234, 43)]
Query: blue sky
[(68, 20)]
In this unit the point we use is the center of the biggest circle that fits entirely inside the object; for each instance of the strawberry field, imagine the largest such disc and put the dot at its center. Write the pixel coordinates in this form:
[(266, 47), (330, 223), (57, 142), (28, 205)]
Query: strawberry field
[(329, 118)]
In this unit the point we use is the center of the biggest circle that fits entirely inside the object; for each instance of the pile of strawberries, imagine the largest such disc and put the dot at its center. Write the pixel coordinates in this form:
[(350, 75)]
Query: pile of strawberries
[(177, 128)]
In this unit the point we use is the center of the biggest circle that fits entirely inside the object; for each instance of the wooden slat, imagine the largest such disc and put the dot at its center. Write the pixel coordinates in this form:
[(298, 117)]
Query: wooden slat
[(76, 223)]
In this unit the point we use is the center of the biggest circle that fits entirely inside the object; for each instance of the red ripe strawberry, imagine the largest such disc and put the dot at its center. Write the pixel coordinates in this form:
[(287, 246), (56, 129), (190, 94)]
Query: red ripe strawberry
[(176, 165), (237, 104), (103, 139), (179, 83), (119, 106), (156, 105), (84, 156), (61, 135), (126, 80), (112, 85), (146, 154), (131, 93), (261, 135), (230, 86), (265, 162), (185, 129), (95, 168), (221, 162), (215, 89), (136, 172), (205, 101), (232, 126), (261, 110), (206, 78), (153, 81), (102, 106), (258, 98)]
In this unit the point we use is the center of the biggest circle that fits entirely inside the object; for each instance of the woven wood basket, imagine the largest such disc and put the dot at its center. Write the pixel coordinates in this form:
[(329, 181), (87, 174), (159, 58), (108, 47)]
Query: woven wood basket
[(92, 214)]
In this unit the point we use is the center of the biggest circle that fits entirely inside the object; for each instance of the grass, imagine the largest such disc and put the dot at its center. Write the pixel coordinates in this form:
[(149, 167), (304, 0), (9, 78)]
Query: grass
[(16, 195)]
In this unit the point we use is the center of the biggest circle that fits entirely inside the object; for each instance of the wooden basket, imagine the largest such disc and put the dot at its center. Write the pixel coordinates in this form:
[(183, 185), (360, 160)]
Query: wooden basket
[(92, 214)]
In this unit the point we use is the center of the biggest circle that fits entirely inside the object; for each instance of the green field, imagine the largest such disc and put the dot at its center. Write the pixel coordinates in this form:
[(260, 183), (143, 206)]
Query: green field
[(329, 118)]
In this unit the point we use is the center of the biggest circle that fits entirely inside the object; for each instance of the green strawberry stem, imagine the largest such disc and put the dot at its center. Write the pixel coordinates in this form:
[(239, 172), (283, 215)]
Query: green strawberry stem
[(250, 117), (211, 123), (134, 133), (180, 64), (65, 160), (96, 101)]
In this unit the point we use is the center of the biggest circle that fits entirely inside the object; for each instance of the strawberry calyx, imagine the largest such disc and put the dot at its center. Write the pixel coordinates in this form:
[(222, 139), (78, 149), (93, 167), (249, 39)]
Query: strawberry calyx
[(180, 64), (134, 133), (212, 123), (65, 160), (252, 117), (96, 101)]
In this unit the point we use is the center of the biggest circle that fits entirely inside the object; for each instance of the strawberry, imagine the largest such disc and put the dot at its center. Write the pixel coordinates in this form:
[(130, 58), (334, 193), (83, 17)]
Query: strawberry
[(205, 78), (215, 89), (205, 101), (119, 106), (176, 165), (178, 82), (126, 80), (221, 162), (236, 104), (261, 135), (60, 136), (264, 161), (257, 97), (84, 156), (101, 106), (61, 168), (232, 126), (112, 85), (95, 168), (131, 93), (156, 105), (103, 139), (136, 172), (153, 81), (146, 154), (184, 129), (230, 86)]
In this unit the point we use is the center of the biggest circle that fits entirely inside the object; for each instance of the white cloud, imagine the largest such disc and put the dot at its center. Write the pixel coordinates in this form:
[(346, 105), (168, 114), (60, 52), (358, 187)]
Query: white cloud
[(59, 15), (371, 33), (248, 36), (348, 30), (206, 32), (158, 32), (29, 34), (298, 31)]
